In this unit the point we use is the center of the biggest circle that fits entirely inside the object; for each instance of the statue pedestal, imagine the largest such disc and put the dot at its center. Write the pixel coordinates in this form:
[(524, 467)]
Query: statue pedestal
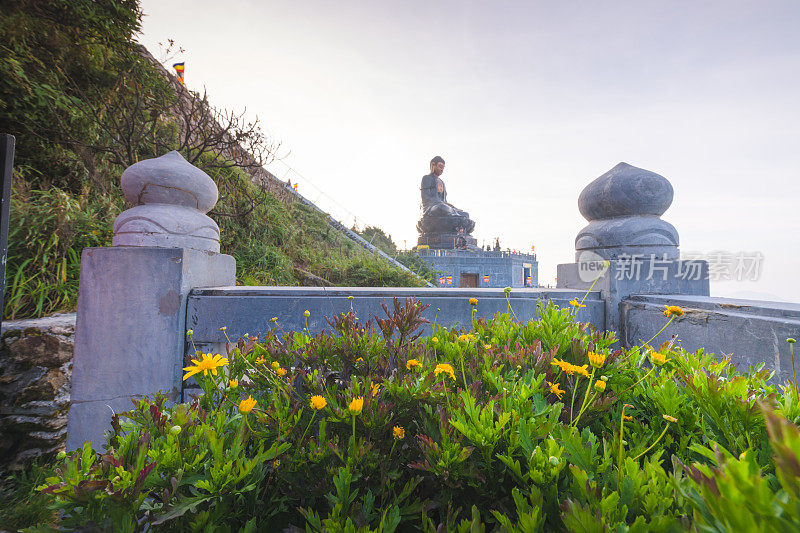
[(445, 241)]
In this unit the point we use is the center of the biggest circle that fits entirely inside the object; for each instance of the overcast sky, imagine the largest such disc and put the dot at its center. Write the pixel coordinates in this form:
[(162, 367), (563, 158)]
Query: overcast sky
[(527, 102)]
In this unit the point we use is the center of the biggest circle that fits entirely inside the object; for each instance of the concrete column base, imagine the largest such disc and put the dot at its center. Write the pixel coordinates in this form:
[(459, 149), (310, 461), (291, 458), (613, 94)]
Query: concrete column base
[(130, 329), (635, 276)]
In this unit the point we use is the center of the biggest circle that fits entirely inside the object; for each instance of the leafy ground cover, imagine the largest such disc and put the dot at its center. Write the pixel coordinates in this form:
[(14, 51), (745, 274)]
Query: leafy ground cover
[(495, 426)]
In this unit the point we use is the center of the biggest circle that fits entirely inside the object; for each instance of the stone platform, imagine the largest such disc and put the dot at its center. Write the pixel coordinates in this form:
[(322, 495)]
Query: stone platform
[(480, 268), (445, 241)]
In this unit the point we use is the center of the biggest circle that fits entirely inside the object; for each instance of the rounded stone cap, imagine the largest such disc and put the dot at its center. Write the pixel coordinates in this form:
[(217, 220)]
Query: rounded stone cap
[(625, 190), (169, 179)]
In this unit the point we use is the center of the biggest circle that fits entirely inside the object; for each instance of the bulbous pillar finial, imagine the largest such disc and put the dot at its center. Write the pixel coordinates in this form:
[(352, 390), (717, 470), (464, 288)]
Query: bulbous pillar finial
[(170, 197), (623, 207)]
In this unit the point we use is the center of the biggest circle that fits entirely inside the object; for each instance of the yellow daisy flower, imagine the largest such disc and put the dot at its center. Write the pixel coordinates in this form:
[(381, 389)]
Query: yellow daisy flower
[(245, 406)]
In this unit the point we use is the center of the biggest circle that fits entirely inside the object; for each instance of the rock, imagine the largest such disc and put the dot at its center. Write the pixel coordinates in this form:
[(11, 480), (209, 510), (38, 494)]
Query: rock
[(623, 207), (35, 373)]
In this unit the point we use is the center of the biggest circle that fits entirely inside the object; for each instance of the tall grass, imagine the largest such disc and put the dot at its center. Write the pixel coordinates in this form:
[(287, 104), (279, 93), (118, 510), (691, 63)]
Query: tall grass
[(48, 230)]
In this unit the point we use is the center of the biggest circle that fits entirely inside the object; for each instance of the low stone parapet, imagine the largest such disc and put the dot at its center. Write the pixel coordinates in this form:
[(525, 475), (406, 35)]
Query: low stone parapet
[(751, 331), (249, 309)]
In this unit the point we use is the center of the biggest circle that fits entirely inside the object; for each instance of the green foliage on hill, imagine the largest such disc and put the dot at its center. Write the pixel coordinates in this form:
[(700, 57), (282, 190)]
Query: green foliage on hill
[(410, 260), (84, 101)]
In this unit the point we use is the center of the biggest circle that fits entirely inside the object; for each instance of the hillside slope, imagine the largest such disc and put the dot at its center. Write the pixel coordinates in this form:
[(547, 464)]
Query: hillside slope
[(84, 103)]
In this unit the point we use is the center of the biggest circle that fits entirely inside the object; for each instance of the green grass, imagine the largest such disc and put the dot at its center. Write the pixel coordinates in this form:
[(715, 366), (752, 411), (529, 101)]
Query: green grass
[(20, 504)]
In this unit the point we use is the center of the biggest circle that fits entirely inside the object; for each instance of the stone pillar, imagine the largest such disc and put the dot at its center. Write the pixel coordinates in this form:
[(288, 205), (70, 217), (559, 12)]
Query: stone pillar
[(131, 320), (626, 246)]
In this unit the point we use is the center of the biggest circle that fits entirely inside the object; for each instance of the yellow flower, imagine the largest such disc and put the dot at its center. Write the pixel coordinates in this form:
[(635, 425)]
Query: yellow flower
[(306, 313), (626, 417), (260, 360), (570, 369), (281, 372), (276, 365), (576, 303), (189, 333), (555, 390), (670, 310), (350, 298), (658, 358), (223, 328), (600, 385), (411, 363), (447, 369), (669, 418), (581, 370), (597, 359), (245, 406), (468, 338), (563, 365), (234, 383), (399, 433), (356, 405), (434, 340), (473, 302), (204, 364), (318, 402), (273, 319), (376, 388), (487, 346), (360, 360)]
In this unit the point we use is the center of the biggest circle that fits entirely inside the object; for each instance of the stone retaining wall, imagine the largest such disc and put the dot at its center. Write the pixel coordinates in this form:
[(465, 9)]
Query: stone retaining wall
[(35, 372), (751, 331)]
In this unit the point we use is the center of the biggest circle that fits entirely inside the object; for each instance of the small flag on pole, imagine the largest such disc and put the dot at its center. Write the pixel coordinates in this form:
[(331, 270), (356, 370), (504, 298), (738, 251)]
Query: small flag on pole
[(486, 279), (179, 68), (442, 280), (449, 280)]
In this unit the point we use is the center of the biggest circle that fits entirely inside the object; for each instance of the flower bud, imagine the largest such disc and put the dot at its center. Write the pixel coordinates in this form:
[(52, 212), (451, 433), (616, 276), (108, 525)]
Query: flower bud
[(175, 430)]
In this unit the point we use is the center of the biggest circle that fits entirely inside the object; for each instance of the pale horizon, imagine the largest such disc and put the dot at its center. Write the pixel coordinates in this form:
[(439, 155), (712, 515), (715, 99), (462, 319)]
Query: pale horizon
[(527, 103)]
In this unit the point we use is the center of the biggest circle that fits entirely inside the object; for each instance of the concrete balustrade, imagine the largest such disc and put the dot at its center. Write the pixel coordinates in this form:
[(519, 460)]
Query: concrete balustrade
[(163, 275)]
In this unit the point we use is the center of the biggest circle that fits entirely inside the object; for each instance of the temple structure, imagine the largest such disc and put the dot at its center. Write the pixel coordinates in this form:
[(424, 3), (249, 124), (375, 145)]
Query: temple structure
[(446, 243)]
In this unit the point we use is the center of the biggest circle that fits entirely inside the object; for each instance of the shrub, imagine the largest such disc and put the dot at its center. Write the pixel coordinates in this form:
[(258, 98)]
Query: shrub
[(501, 425)]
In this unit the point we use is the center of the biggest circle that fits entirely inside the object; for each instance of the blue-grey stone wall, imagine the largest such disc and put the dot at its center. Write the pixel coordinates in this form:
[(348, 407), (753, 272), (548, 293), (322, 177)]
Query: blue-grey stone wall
[(504, 269), (750, 331), (249, 309)]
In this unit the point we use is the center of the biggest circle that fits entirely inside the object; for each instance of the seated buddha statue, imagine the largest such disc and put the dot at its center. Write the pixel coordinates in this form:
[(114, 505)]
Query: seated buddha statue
[(440, 219)]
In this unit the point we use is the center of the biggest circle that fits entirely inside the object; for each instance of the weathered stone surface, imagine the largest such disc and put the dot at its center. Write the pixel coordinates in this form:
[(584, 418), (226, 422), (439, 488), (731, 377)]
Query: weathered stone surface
[(624, 278), (623, 191), (35, 371), (169, 180), (750, 331), (623, 207), (170, 198), (130, 331)]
